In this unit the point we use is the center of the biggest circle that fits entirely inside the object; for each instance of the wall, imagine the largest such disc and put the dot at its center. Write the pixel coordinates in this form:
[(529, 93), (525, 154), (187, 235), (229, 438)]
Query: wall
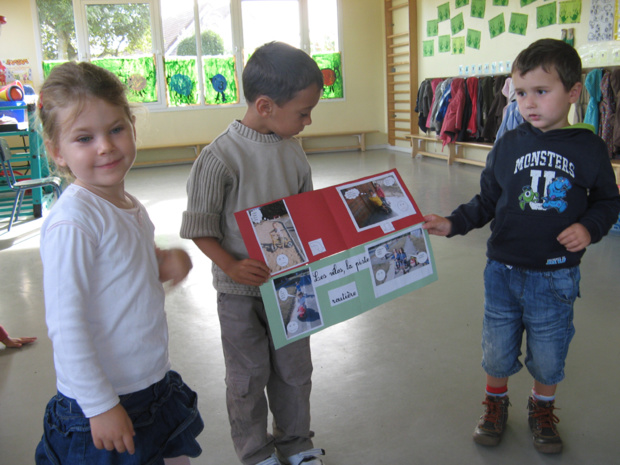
[(362, 109), (504, 47)]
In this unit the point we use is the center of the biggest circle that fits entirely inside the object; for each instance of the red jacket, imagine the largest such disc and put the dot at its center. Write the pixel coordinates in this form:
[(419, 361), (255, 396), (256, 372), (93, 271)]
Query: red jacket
[(453, 121)]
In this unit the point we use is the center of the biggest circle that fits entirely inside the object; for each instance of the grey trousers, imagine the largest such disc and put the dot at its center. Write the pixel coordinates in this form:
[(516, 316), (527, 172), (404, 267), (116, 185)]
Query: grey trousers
[(253, 365)]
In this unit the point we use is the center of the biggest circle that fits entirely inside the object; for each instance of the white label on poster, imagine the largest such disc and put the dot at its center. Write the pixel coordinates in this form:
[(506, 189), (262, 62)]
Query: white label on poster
[(387, 227), (317, 246), (340, 269), (343, 294)]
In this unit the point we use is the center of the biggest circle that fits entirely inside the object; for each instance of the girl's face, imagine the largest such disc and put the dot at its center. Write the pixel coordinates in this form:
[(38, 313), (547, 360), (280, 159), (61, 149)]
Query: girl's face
[(98, 145)]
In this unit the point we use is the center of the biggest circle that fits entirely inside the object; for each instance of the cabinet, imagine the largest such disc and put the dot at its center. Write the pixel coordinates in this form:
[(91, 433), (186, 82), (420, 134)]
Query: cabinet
[(28, 162)]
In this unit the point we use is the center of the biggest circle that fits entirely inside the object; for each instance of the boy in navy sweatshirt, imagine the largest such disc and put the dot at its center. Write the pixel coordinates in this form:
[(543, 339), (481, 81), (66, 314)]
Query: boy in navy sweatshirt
[(549, 191)]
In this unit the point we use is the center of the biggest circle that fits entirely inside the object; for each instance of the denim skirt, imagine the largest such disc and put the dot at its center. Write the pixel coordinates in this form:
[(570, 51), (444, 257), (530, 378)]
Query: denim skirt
[(165, 418)]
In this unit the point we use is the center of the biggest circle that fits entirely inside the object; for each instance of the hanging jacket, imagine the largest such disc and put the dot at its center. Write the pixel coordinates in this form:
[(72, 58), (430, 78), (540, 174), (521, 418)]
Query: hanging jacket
[(437, 95), (607, 112), (472, 90), (593, 85), (443, 105), (423, 103), (453, 119), (485, 98), (582, 104), (463, 135), (494, 119), (434, 85), (512, 119), (614, 80)]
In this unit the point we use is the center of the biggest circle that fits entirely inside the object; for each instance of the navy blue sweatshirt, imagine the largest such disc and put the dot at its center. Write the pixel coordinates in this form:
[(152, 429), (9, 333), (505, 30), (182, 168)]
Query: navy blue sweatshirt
[(536, 184)]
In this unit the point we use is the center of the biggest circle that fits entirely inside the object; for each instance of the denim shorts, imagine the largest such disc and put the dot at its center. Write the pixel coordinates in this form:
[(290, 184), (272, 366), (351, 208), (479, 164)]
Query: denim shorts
[(165, 418), (537, 302)]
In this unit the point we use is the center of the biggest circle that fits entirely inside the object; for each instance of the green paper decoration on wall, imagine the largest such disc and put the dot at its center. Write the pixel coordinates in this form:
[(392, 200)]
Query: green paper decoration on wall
[(478, 8), (570, 12), (518, 24), (138, 74), (220, 80), (457, 24), (330, 65), (428, 48), (497, 26), (181, 81), (474, 38), (48, 66), (458, 45), (444, 44), (546, 15), (443, 12), (432, 28)]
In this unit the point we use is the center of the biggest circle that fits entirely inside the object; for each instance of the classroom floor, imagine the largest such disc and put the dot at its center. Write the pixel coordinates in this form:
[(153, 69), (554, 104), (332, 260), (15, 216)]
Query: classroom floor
[(400, 384)]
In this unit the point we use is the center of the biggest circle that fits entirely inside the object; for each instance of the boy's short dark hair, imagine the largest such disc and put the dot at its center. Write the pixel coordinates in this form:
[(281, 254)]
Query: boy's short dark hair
[(279, 71), (548, 53)]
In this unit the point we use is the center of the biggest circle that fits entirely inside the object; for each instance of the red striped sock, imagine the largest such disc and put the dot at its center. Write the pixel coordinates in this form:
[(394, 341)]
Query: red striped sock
[(497, 391)]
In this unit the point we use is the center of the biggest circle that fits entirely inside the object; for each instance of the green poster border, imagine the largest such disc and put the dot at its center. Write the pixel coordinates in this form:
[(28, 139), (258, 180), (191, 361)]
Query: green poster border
[(365, 301)]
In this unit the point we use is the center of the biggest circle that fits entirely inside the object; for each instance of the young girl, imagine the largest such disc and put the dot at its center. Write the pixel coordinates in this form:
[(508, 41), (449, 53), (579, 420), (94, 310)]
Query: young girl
[(118, 402)]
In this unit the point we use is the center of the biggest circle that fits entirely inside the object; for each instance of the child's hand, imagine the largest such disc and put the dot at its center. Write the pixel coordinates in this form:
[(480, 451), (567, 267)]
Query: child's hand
[(174, 265), (113, 430), (575, 238), (248, 271), (17, 342), (437, 225)]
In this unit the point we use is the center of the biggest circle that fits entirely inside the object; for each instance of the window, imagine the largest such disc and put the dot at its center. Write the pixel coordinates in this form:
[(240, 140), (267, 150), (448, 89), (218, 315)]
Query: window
[(180, 53)]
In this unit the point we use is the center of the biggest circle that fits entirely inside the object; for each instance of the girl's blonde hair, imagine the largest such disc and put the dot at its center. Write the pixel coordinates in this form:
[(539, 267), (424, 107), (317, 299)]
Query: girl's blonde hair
[(72, 84)]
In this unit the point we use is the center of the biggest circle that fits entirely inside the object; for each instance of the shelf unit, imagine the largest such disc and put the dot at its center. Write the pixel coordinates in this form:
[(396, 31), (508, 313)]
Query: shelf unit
[(28, 162), (401, 45)]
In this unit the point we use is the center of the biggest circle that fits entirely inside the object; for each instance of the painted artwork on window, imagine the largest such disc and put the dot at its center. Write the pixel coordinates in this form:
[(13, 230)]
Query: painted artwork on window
[(138, 74), (48, 66), (330, 65), (221, 86), (181, 81)]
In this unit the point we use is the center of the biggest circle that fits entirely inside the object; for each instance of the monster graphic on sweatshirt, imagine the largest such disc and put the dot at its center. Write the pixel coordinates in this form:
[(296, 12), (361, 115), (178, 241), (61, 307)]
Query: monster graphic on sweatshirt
[(554, 186)]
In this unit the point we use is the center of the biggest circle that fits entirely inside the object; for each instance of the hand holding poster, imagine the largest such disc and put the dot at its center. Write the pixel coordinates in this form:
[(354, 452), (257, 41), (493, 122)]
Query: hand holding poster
[(337, 252)]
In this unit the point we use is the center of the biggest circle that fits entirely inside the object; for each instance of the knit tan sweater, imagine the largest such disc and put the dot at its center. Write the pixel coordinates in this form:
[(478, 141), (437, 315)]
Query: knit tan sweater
[(240, 169)]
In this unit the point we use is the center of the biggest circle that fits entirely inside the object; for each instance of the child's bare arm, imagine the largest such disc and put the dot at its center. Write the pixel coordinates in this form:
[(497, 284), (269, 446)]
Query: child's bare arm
[(575, 238), (17, 342), (437, 225), (174, 265), (248, 271), (113, 430)]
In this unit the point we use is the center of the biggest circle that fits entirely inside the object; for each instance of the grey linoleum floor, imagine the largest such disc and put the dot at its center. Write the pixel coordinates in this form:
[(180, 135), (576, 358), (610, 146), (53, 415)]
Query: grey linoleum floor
[(400, 384)]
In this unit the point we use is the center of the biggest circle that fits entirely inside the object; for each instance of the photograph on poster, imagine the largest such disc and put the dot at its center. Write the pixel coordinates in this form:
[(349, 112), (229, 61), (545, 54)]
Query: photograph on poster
[(299, 307), (277, 236), (376, 201), (399, 261)]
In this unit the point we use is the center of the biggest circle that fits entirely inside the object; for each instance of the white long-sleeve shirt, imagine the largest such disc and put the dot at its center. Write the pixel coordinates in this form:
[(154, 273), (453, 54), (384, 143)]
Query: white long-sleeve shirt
[(103, 299)]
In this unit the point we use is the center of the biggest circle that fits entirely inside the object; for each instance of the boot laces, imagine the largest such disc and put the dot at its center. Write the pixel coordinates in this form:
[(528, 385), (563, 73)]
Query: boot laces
[(544, 416), (493, 410)]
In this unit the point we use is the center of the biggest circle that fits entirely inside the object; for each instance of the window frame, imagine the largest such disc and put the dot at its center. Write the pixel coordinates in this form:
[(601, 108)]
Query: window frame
[(81, 29)]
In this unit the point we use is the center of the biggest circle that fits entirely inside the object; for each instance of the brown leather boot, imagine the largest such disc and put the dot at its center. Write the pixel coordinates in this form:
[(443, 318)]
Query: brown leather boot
[(493, 421), (542, 422)]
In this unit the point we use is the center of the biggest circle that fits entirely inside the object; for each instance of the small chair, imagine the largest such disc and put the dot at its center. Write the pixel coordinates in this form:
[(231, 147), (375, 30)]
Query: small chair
[(20, 187)]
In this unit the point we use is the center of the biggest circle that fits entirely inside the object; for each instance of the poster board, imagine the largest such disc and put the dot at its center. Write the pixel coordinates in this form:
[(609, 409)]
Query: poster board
[(337, 252)]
